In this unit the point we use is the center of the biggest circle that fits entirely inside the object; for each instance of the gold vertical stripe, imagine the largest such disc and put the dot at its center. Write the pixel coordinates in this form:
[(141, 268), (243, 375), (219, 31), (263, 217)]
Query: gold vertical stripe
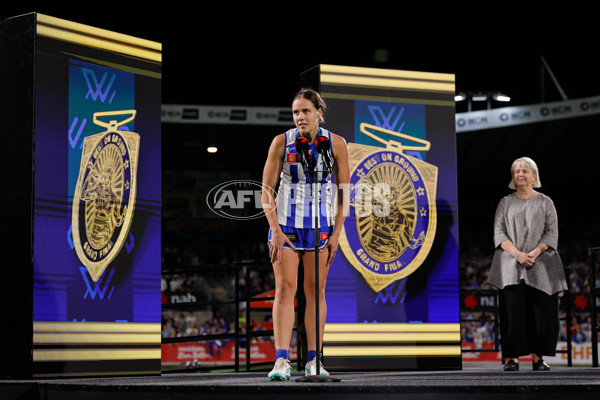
[(334, 95), (379, 351), (389, 73), (95, 355), (96, 338), (92, 31), (378, 337), (98, 327), (73, 32), (392, 327), (378, 82)]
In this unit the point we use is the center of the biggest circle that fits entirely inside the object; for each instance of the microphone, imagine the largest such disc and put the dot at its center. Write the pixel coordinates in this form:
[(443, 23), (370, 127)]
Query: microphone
[(324, 148), (301, 146)]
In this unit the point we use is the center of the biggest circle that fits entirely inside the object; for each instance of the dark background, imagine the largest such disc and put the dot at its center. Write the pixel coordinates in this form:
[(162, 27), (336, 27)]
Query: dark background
[(233, 54), (253, 55)]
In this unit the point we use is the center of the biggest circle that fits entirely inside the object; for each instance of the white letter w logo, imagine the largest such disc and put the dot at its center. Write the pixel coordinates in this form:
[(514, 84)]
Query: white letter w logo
[(392, 292), (96, 289), (95, 88), (386, 121)]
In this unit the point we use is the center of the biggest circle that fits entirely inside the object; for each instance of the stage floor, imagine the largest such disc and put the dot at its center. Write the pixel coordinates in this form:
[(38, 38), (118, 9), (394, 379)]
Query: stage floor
[(474, 381)]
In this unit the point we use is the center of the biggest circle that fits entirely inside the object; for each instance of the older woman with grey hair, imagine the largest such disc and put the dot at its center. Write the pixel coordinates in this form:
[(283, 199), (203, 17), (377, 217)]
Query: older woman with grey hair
[(527, 269)]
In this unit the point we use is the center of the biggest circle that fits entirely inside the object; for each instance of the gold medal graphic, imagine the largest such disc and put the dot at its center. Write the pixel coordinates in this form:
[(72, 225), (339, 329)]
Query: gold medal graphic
[(104, 197), (392, 221)]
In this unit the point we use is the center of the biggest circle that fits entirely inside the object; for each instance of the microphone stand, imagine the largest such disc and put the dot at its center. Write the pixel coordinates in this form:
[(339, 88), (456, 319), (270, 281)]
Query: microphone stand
[(317, 209)]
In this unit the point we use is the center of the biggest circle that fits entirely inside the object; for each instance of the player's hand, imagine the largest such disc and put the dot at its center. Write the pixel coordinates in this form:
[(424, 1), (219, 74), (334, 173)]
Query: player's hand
[(278, 239), (331, 247)]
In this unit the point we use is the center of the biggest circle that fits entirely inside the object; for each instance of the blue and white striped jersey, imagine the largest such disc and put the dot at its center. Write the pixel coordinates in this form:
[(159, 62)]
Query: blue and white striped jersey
[(295, 206)]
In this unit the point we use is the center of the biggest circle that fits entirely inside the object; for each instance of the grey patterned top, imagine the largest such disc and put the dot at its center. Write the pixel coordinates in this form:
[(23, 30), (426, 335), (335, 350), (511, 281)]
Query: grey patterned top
[(526, 223)]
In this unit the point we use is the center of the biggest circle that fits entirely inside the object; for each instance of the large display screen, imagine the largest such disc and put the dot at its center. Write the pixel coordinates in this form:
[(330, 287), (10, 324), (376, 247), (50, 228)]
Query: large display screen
[(97, 201), (392, 291)]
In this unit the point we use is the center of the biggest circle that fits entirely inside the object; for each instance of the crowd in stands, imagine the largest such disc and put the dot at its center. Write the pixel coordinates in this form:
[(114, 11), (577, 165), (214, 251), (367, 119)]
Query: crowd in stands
[(215, 284), (206, 282), (176, 324), (474, 266)]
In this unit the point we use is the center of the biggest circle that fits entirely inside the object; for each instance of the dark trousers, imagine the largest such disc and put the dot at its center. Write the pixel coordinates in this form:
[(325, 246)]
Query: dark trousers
[(528, 321)]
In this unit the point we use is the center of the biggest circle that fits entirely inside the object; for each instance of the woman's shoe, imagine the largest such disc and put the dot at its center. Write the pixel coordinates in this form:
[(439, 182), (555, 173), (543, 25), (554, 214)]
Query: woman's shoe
[(511, 366), (540, 365)]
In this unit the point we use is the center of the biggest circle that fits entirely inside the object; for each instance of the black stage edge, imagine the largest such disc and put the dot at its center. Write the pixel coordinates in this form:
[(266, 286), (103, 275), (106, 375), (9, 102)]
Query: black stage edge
[(17, 65), (481, 381)]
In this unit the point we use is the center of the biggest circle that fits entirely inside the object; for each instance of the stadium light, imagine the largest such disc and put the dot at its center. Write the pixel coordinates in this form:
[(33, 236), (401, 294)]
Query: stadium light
[(501, 98)]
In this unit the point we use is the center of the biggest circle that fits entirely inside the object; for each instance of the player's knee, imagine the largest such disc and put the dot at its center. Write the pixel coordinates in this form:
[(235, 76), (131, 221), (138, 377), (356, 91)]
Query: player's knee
[(285, 290)]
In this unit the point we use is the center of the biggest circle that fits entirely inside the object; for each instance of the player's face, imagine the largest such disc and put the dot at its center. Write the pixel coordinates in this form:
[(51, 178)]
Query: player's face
[(306, 116)]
